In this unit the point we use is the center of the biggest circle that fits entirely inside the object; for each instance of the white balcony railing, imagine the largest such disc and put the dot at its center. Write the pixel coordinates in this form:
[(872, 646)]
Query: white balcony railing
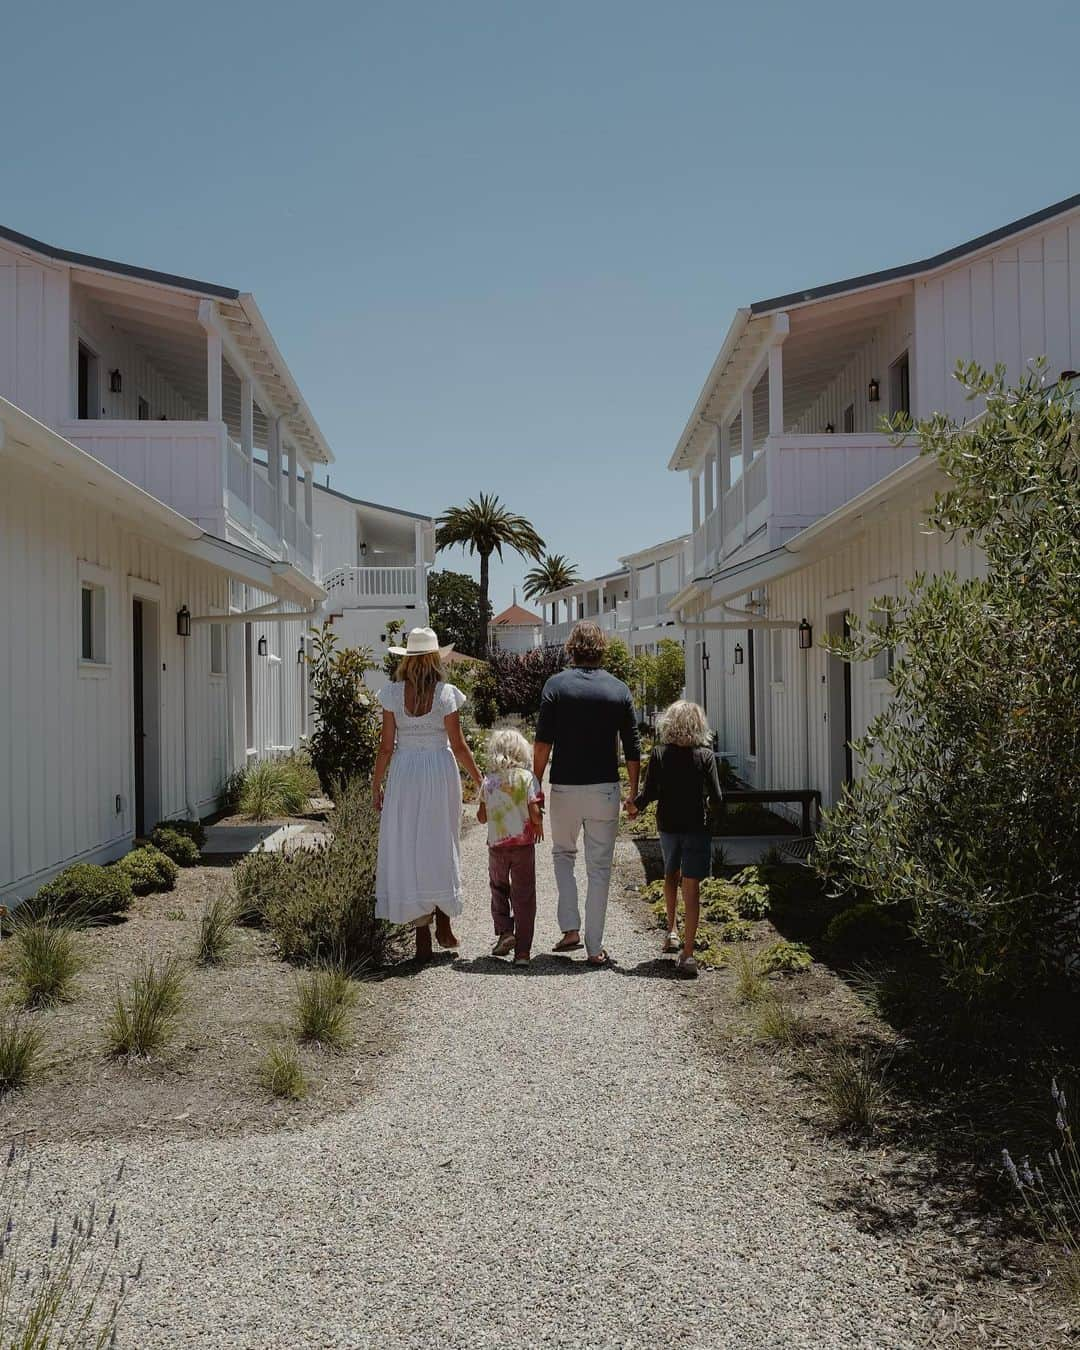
[(372, 586)]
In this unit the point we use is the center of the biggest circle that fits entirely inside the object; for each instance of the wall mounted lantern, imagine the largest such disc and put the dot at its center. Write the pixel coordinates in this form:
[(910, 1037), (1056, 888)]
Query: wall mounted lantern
[(706, 660), (183, 621), (116, 382), (873, 392), (263, 648), (738, 654), (300, 653), (829, 428), (806, 636), (363, 550)]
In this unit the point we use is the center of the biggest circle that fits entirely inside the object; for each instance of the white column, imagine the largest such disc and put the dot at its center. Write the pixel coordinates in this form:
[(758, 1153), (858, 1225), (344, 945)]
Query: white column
[(418, 561), (776, 390), (747, 426), (710, 482), (291, 452), (213, 376), (247, 438), (725, 458), (695, 498), (309, 496), (273, 460)]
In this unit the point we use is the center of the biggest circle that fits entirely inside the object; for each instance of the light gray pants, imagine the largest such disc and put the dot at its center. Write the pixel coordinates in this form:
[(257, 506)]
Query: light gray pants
[(594, 809)]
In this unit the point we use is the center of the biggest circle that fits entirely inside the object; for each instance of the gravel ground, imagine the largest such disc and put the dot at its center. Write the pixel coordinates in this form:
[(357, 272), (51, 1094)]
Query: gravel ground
[(547, 1160)]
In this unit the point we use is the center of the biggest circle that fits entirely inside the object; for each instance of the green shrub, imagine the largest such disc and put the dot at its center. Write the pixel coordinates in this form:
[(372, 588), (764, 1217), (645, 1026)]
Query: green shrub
[(348, 720), (865, 927), (148, 870), (712, 957), (320, 904), (144, 1015), (191, 829), (230, 790), (43, 961), (788, 957), (282, 1073), (20, 1054), (752, 900), (486, 697), (736, 930), (82, 893), (178, 847), (255, 879), (216, 937), (324, 1001)]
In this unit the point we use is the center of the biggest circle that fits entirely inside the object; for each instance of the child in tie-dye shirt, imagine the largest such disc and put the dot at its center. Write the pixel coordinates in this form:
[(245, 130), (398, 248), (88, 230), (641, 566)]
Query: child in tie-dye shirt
[(512, 805)]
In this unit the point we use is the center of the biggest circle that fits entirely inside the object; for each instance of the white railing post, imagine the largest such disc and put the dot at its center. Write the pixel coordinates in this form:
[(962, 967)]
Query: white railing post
[(213, 376)]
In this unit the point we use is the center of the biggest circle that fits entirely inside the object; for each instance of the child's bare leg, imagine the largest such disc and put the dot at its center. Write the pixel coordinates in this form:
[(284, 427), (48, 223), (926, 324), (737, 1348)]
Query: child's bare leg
[(691, 898), (671, 900)]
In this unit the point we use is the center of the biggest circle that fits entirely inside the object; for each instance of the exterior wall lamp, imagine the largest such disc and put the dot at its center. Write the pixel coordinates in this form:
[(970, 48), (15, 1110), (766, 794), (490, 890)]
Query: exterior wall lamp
[(829, 428), (263, 648), (183, 621), (363, 550), (738, 654), (706, 660), (873, 392), (116, 382), (806, 636), (300, 653)]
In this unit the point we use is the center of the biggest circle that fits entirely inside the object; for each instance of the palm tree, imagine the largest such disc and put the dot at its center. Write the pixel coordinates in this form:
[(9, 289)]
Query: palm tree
[(485, 527), (554, 574)]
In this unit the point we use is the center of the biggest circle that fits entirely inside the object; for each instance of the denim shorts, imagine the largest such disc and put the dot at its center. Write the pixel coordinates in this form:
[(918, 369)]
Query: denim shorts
[(690, 854)]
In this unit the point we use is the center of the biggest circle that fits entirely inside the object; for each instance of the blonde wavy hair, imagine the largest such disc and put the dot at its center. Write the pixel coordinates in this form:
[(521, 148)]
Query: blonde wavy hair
[(421, 673), (508, 749), (684, 723)]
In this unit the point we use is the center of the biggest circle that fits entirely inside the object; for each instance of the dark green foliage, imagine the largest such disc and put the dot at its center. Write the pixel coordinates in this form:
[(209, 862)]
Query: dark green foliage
[(83, 893), (520, 678), (865, 927), (457, 615), (966, 811), (659, 677), (193, 829), (348, 719), (788, 957), (148, 870), (178, 847), (484, 526), (618, 661), (320, 903), (486, 697)]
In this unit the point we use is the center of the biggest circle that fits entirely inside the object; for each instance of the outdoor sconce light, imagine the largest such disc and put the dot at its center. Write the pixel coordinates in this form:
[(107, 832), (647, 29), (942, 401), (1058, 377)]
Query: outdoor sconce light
[(263, 649), (705, 659), (738, 654), (300, 653), (873, 393), (116, 382), (829, 428), (806, 636), (183, 621), (363, 550), (1067, 375)]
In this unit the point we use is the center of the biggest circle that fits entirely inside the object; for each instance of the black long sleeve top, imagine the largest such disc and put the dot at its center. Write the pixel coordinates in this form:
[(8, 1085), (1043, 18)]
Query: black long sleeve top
[(683, 781)]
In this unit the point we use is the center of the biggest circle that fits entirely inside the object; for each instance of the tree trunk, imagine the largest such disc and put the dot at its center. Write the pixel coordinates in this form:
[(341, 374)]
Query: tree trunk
[(485, 641)]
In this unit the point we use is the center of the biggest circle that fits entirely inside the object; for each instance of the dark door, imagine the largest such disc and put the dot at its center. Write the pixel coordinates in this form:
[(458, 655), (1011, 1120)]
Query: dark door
[(139, 705), (849, 771), (751, 684)]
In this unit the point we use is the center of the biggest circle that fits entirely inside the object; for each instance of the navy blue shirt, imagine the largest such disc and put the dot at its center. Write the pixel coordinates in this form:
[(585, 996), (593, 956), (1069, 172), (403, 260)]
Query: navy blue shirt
[(584, 713)]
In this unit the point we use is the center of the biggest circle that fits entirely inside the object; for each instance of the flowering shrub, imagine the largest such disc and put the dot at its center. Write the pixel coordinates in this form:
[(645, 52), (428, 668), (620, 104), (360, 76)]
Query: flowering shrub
[(520, 678)]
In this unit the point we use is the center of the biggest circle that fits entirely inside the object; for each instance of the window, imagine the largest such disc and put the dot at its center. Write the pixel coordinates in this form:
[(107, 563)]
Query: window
[(217, 649), (900, 386), (776, 656), (144, 409), (646, 582), (668, 569), (87, 388), (92, 603), (885, 659), (849, 417)]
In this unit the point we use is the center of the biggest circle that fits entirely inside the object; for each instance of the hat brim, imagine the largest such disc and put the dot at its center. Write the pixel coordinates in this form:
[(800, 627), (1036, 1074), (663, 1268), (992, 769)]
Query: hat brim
[(444, 652)]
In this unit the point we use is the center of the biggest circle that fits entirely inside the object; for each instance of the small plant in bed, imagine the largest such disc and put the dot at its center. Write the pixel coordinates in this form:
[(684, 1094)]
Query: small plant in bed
[(148, 869), (83, 893), (144, 1014), (854, 1088), (325, 998), (179, 847), (789, 958), (865, 927), (216, 937), (190, 829), (751, 986), (776, 1020), (282, 1074), (43, 961), (21, 1045)]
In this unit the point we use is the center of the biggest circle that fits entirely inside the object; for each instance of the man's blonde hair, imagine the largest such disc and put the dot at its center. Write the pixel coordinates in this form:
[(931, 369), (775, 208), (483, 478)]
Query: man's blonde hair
[(684, 723), (586, 644), (508, 749)]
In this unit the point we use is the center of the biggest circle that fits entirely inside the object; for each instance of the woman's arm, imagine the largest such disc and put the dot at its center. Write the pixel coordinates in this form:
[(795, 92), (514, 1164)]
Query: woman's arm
[(460, 747), (382, 759)]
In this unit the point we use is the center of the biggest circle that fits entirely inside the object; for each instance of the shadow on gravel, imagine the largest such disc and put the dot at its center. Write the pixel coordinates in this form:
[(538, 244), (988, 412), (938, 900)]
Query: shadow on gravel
[(410, 968), (539, 965), (654, 969)]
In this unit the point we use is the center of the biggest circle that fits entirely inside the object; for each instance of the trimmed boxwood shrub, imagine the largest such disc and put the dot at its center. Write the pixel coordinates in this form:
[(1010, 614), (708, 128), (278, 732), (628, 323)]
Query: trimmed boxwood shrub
[(191, 829), (148, 870), (176, 846), (83, 891), (865, 927)]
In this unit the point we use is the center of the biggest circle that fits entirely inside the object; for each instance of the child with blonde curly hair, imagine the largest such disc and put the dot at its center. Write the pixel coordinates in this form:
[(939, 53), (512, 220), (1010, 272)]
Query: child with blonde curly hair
[(682, 780), (512, 805)]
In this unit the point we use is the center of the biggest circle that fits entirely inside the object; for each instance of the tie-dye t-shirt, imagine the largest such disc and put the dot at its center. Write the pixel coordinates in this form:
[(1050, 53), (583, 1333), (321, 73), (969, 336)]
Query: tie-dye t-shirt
[(507, 796)]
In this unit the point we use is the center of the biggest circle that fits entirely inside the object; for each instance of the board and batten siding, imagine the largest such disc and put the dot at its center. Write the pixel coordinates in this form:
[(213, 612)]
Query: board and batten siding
[(35, 337), (66, 731)]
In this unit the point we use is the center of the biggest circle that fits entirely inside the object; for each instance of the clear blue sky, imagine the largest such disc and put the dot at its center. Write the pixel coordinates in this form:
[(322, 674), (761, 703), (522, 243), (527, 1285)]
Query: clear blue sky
[(500, 243)]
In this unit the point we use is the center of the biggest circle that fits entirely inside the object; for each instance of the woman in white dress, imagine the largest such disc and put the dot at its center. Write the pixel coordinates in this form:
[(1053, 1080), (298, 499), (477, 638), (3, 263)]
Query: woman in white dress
[(418, 877)]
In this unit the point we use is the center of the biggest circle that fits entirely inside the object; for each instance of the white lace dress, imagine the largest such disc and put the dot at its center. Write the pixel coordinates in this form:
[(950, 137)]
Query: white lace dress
[(419, 866)]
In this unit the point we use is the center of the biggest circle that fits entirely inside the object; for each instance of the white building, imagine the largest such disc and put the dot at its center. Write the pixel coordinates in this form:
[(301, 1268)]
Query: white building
[(604, 599), (157, 460), (803, 510), (657, 575), (375, 561), (516, 629)]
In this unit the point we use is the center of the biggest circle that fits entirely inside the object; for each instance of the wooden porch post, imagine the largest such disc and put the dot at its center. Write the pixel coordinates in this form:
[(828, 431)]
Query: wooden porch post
[(776, 390), (309, 505), (213, 376), (247, 439), (273, 461), (725, 458)]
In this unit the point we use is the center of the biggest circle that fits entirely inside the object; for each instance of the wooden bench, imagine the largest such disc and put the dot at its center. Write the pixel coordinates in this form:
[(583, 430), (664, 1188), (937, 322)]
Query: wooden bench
[(806, 797)]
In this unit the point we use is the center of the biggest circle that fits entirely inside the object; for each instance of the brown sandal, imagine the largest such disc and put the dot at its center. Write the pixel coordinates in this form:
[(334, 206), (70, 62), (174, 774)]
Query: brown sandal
[(566, 944)]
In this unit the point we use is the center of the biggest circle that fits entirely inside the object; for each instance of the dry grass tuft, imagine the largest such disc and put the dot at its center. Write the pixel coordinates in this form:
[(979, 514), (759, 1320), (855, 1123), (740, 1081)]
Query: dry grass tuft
[(282, 1073), (325, 998), (144, 1015)]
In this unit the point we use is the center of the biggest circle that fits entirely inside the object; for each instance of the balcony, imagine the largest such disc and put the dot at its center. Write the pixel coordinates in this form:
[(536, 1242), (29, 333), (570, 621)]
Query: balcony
[(791, 482), (375, 587), (198, 470)]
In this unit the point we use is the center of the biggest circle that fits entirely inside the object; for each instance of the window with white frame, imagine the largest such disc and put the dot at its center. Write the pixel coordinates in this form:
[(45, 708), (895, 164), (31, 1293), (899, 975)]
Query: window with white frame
[(776, 656), (217, 649), (93, 617), (885, 659), (668, 571), (646, 582)]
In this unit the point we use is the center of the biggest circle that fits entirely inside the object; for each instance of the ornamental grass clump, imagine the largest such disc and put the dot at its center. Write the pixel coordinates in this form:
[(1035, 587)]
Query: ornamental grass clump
[(43, 960), (282, 1074), (1052, 1198), (854, 1088), (21, 1046), (276, 787), (216, 937), (144, 1014), (325, 998), (751, 986), (776, 1020)]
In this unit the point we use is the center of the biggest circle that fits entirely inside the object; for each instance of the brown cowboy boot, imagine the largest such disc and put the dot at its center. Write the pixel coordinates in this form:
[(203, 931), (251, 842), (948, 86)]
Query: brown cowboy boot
[(444, 932), (423, 942)]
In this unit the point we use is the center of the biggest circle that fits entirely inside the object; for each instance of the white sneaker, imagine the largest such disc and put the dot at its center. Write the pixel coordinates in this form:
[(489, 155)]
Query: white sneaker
[(672, 943)]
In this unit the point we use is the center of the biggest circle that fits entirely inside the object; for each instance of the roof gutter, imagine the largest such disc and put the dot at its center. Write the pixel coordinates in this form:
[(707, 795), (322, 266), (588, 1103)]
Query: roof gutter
[(738, 327)]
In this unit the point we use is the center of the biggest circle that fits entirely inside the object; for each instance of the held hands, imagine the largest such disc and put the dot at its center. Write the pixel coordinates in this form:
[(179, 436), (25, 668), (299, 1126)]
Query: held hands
[(630, 807), (481, 813), (377, 795)]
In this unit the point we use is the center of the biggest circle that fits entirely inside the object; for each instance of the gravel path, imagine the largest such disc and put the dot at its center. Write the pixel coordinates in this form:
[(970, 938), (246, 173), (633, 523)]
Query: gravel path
[(548, 1161)]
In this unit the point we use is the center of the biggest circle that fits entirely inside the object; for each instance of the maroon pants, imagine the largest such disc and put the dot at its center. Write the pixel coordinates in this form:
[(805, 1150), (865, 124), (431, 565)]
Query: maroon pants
[(512, 872)]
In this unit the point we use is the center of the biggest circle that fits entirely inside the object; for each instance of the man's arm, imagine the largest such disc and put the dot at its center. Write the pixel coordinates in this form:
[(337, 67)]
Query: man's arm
[(631, 744), (541, 755)]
